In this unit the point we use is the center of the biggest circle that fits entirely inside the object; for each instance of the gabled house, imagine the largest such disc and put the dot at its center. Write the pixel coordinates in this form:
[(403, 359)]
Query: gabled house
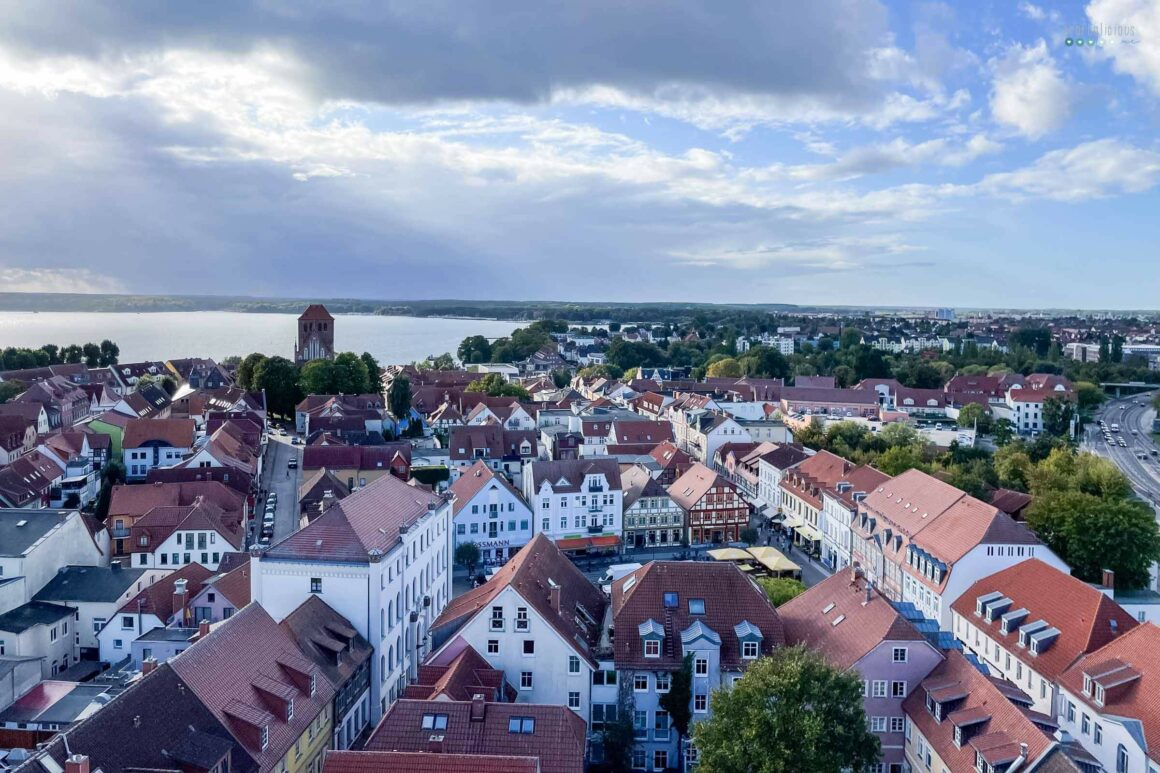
[(171, 537), (150, 443), (28, 481), (714, 509), (164, 603), (855, 629), (33, 413), (661, 613), (359, 466), (1030, 622), (839, 508), (44, 630), (651, 518), (128, 503), (63, 401), (489, 511), (502, 450), (537, 619), (34, 544), (222, 595), (17, 438), (578, 504), (801, 495), (672, 460)]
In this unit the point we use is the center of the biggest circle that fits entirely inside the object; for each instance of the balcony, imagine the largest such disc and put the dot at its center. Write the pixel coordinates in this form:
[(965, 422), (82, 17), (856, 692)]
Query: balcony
[(495, 624), (595, 529), (119, 533), (595, 488)]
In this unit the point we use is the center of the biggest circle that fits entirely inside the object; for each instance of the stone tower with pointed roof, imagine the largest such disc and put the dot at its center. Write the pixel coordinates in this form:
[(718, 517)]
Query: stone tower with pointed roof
[(315, 335)]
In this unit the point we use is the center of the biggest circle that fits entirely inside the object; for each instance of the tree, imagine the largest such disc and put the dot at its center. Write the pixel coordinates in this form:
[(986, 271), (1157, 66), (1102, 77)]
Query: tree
[(474, 349), (1105, 353), (600, 371), (617, 740), (9, 390), (975, 416), (467, 556), (634, 354), (748, 535), (561, 377), (444, 362), (399, 398), (497, 386), (1014, 467), (317, 377), (897, 460), (72, 354), (678, 702), (1057, 415), (781, 589), (374, 373), (1094, 533), (1002, 431), (245, 373), (278, 377), (1037, 339), (109, 353), (350, 375), (724, 368), (1089, 395), (169, 384), (790, 712), (112, 475), (92, 354), (1117, 352), (850, 338), (764, 362)]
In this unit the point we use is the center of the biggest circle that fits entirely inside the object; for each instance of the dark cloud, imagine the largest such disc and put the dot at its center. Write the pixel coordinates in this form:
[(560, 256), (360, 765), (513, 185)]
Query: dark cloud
[(419, 51)]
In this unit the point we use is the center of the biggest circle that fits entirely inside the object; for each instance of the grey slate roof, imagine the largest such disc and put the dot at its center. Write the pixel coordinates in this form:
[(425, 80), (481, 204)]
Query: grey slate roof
[(89, 583), (32, 614), (16, 539)]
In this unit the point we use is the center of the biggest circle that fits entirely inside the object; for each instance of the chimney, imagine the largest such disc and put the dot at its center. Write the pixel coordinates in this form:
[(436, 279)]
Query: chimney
[(76, 763), (115, 565), (1109, 579), (328, 499), (148, 665), (179, 587), (478, 707), (869, 593), (202, 629), (435, 744), (554, 597)]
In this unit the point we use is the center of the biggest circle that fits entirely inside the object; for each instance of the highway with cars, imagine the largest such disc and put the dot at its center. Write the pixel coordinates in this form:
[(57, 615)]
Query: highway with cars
[(1132, 447)]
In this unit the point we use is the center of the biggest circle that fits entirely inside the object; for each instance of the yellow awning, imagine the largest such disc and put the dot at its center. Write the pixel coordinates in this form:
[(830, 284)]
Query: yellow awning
[(729, 554), (809, 532), (792, 522), (774, 560), (745, 567)]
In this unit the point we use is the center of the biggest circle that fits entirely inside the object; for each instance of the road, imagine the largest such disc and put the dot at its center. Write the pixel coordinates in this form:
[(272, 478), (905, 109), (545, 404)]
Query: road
[(277, 477), (1131, 413)]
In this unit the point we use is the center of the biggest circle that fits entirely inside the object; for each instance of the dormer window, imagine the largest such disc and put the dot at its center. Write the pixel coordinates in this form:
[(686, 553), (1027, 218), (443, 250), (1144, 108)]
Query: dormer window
[(1099, 694), (289, 709), (749, 650), (434, 721), (313, 684), (1087, 685), (265, 737), (696, 606), (652, 648)]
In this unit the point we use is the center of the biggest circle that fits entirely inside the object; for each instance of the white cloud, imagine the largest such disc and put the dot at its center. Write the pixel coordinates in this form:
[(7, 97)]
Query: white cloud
[(897, 154), (827, 254), (57, 280), (1028, 91), (1093, 170), (1033, 12), (1130, 20)]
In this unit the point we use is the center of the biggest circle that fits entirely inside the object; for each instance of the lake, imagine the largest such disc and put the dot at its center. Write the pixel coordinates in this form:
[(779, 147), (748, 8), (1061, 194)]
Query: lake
[(219, 334)]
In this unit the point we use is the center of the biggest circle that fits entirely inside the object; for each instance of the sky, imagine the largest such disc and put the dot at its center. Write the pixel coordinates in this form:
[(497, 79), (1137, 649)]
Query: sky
[(731, 151)]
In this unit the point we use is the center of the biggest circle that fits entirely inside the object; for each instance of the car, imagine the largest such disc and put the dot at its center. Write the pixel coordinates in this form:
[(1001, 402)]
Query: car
[(292, 464), (265, 539), (268, 519)]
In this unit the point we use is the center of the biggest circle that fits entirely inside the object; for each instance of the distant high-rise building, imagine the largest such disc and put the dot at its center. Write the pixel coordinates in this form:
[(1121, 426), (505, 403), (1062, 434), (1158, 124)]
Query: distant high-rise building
[(315, 335), (946, 315)]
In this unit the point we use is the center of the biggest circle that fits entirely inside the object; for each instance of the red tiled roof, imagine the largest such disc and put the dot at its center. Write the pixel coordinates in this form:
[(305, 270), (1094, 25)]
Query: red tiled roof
[(316, 311), (532, 572), (557, 740), (136, 500), (641, 431), (573, 472), (821, 471), (474, 480), (1117, 663), (234, 585), (691, 488), (863, 625), (425, 762), (668, 455), (1007, 725), (461, 678), (244, 671), (160, 522), (729, 597), (157, 599), (1084, 616), (177, 433), (369, 519)]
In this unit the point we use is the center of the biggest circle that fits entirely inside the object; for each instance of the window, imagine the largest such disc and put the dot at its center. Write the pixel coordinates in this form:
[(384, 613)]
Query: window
[(879, 688), (877, 724), (316, 585), (126, 622), (289, 709), (898, 689), (652, 648), (497, 618), (521, 618), (640, 683), (899, 654), (700, 665), (525, 680), (1070, 711), (749, 650), (1121, 759), (700, 703), (265, 736), (604, 677), (573, 700), (1098, 734), (493, 646), (661, 725), (98, 624), (640, 724), (638, 759), (573, 664), (522, 725), (696, 606), (897, 724), (660, 759), (664, 681), (1085, 724)]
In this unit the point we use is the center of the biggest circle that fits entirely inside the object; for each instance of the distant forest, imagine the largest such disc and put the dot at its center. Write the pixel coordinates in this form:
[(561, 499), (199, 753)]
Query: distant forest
[(511, 310)]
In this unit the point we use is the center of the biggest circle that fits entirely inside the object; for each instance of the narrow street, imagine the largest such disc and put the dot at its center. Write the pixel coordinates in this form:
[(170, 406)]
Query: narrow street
[(279, 478)]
